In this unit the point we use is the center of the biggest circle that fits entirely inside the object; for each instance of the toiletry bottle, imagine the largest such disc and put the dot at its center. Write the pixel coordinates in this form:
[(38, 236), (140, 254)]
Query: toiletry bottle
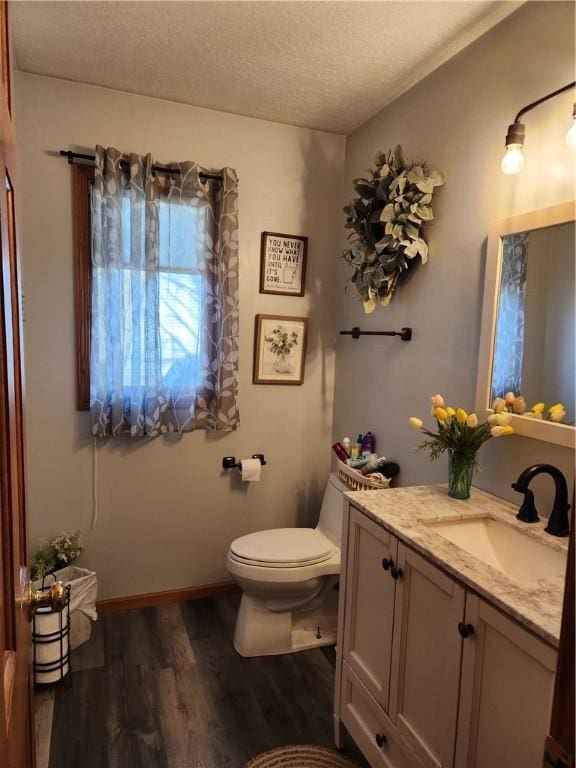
[(367, 444), (338, 449), (347, 443), (358, 445)]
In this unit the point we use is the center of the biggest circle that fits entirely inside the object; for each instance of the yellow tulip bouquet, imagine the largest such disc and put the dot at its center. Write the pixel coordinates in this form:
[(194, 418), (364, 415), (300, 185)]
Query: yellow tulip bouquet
[(513, 403), (461, 435)]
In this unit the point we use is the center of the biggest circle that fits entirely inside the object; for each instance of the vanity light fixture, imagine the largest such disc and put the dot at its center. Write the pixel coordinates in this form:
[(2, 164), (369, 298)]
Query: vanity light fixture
[(513, 160)]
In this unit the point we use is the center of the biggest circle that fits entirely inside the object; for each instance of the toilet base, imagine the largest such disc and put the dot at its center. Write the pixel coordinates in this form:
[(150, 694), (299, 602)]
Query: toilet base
[(262, 632)]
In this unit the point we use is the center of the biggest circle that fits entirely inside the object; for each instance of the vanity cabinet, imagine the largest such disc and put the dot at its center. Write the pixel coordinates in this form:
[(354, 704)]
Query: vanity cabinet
[(370, 727), (506, 696), (426, 658), (428, 673), (370, 604)]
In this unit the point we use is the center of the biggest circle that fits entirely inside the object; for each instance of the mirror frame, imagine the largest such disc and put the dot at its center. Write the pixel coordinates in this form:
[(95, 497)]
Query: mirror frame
[(549, 431)]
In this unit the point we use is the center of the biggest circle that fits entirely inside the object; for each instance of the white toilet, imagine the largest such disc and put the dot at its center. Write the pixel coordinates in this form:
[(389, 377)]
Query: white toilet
[(289, 579)]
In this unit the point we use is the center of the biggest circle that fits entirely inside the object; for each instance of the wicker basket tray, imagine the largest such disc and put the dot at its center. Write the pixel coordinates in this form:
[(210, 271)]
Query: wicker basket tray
[(356, 481)]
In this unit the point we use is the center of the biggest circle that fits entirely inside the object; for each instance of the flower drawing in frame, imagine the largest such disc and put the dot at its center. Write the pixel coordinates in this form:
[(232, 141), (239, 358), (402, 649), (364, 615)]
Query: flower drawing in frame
[(279, 349)]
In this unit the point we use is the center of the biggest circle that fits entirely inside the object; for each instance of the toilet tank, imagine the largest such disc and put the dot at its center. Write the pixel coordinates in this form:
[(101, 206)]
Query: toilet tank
[(330, 521)]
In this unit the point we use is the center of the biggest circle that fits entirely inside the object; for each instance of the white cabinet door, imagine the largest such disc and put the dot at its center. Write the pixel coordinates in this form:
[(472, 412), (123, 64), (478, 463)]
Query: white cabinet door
[(426, 658), (370, 728), (370, 604), (506, 695)]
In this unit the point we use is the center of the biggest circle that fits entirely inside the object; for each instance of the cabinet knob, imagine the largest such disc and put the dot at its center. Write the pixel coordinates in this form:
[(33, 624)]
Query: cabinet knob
[(466, 630), (396, 572), (386, 563), (381, 739)]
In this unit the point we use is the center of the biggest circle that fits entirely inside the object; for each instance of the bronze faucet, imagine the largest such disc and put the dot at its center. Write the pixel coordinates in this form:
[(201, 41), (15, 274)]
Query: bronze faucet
[(558, 522)]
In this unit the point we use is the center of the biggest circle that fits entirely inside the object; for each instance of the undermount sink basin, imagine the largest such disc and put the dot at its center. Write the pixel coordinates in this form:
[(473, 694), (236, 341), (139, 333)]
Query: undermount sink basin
[(503, 547)]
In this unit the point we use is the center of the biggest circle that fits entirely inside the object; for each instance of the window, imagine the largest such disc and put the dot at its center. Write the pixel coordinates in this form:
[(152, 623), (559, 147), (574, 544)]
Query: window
[(180, 291), (156, 259)]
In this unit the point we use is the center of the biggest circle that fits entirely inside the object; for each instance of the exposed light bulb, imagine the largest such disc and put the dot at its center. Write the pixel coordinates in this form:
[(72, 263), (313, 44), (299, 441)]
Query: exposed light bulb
[(571, 134), (513, 160)]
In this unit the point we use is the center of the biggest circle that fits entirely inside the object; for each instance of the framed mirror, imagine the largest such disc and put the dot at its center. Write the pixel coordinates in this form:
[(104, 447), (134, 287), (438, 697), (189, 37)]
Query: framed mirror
[(527, 340)]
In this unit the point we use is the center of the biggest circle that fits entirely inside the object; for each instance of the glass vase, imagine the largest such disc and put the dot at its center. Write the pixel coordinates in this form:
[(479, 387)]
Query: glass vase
[(282, 363), (460, 474)]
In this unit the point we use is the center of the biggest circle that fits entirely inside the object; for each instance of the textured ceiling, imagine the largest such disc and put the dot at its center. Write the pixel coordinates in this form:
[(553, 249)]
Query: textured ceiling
[(328, 65)]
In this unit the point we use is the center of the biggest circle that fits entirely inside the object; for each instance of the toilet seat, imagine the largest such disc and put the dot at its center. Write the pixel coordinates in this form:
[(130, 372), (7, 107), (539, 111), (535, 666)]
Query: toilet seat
[(282, 548)]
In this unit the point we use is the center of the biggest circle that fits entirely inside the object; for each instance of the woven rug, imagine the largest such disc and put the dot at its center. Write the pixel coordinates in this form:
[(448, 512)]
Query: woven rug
[(301, 756)]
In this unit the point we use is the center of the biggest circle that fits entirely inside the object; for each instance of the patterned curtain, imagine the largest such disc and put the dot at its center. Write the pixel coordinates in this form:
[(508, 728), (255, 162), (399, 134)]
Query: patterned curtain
[(509, 342), (164, 330)]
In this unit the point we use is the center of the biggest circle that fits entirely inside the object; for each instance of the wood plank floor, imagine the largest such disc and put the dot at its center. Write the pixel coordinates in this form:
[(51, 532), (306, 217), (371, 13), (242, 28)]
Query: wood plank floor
[(163, 688)]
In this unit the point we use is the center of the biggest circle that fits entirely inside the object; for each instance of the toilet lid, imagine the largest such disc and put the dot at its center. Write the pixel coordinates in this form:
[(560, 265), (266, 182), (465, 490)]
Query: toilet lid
[(283, 545)]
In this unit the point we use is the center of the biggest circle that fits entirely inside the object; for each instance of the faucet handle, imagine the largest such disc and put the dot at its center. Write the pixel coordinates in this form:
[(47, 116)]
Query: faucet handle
[(558, 524), (527, 512)]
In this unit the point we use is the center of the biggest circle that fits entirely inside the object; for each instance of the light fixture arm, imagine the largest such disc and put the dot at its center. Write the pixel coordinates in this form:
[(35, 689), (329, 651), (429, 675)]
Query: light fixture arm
[(513, 162), (533, 104)]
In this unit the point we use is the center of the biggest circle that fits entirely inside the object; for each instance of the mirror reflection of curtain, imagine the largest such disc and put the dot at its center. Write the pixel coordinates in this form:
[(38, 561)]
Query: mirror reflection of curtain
[(509, 341)]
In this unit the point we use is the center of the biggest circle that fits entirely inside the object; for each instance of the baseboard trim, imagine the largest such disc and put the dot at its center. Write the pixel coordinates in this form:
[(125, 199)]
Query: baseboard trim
[(133, 602)]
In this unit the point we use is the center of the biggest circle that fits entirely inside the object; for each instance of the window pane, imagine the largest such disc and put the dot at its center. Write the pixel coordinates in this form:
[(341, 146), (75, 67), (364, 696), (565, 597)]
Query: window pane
[(168, 302), (181, 230)]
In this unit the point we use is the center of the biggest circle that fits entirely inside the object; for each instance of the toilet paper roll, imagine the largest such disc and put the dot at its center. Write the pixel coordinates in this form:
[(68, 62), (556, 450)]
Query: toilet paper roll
[(251, 470), (48, 628)]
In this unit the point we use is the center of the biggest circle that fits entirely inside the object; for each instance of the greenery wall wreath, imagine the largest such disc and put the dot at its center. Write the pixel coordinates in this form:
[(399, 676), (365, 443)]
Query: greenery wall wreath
[(386, 220)]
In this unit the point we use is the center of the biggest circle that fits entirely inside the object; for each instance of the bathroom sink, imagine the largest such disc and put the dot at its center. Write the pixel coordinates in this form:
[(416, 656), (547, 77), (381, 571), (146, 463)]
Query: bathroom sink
[(503, 547)]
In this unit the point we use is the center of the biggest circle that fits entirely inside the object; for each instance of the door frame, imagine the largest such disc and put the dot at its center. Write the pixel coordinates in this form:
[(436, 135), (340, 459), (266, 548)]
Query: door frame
[(16, 724)]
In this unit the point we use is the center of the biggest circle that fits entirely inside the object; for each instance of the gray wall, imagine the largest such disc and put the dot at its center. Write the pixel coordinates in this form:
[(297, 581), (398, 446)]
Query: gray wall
[(167, 513), (456, 119)]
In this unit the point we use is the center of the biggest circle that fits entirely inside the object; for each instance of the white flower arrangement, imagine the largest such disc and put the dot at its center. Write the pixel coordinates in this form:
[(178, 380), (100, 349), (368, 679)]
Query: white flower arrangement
[(67, 546), (61, 551)]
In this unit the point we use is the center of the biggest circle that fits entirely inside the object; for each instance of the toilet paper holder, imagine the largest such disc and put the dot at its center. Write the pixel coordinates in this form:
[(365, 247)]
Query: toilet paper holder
[(229, 462)]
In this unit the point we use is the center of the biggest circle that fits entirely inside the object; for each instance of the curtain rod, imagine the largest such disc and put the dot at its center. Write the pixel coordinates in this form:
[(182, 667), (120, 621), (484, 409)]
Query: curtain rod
[(71, 156)]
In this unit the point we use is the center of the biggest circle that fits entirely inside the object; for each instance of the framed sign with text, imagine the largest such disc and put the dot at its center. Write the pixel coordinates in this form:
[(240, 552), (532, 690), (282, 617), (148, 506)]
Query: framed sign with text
[(283, 264)]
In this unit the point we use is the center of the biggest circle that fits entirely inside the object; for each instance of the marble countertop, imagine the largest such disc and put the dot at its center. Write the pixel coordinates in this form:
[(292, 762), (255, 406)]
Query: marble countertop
[(404, 512)]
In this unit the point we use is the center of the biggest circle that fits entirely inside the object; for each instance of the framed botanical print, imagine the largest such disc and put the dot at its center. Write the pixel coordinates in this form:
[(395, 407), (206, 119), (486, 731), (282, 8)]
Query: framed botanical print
[(283, 264), (279, 349)]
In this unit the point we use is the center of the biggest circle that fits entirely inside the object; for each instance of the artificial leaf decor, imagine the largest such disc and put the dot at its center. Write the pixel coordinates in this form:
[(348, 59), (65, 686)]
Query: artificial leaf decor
[(386, 218)]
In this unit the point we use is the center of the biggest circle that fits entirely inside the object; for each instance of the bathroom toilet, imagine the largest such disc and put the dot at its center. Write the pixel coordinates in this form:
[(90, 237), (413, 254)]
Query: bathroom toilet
[(289, 579)]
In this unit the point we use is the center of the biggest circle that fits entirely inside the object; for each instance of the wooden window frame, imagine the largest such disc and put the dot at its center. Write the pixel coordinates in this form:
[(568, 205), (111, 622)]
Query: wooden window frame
[(82, 180)]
